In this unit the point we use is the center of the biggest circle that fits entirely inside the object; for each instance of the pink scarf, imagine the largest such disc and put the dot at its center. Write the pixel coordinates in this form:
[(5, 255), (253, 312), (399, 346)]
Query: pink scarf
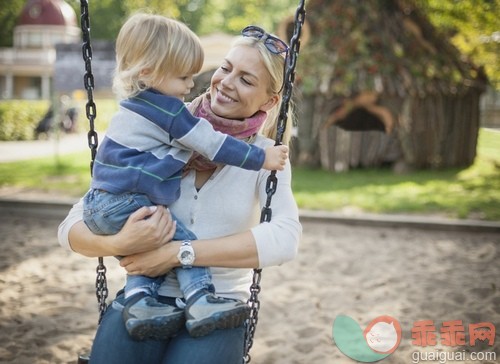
[(238, 128)]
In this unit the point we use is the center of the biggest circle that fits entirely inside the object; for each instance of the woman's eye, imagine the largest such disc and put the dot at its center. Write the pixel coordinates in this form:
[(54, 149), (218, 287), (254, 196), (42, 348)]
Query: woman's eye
[(224, 69), (245, 81)]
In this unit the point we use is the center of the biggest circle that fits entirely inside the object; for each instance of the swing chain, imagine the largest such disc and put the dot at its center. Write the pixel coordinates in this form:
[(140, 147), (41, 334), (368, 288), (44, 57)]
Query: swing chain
[(88, 79), (101, 288), (272, 180), (251, 323), (290, 63)]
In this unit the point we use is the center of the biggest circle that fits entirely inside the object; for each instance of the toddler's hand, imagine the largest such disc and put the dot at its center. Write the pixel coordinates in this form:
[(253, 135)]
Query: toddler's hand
[(276, 158)]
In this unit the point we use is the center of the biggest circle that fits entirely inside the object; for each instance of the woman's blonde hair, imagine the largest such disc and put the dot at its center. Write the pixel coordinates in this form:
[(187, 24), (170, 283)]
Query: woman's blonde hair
[(274, 64), (150, 47)]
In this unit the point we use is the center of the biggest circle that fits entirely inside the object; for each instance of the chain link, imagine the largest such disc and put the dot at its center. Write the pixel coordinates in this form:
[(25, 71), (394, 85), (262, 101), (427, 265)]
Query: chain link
[(101, 284), (272, 180)]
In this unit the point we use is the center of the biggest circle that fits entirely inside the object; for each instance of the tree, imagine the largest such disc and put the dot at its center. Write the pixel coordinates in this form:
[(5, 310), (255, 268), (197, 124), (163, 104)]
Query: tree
[(231, 16), (202, 16), (473, 26), (9, 13), (107, 16)]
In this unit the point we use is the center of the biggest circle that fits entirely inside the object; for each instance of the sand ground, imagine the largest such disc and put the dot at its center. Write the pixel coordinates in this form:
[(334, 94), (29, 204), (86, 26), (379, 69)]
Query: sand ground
[(48, 311)]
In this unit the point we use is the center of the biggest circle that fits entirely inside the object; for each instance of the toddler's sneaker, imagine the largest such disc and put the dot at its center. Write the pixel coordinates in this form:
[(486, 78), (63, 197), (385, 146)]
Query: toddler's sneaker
[(206, 312), (146, 318)]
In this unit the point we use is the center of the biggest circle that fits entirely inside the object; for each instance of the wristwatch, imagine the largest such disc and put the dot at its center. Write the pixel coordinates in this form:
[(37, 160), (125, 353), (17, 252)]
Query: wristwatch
[(186, 254)]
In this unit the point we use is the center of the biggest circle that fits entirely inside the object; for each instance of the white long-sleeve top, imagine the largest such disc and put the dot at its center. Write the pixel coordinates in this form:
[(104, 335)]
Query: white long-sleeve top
[(228, 203)]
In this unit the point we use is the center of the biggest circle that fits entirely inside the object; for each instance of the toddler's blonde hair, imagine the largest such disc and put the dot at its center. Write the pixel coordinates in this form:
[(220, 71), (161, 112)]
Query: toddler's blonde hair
[(150, 47)]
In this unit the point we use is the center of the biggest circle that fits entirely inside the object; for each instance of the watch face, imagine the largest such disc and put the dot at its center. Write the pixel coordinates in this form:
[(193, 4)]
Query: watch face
[(186, 257)]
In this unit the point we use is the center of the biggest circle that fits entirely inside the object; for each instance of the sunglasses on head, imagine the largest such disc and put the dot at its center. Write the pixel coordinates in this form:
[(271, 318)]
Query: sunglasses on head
[(272, 43)]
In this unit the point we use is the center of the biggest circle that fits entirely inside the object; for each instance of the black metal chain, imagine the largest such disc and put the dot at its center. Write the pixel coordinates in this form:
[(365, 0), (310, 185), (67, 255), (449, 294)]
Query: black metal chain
[(101, 284), (272, 180)]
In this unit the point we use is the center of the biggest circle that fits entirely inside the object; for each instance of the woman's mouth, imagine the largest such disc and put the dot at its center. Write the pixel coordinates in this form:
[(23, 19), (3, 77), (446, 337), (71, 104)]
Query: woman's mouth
[(222, 97)]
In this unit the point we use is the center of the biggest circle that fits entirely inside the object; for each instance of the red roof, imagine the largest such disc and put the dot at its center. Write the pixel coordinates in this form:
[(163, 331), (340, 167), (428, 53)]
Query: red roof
[(47, 12)]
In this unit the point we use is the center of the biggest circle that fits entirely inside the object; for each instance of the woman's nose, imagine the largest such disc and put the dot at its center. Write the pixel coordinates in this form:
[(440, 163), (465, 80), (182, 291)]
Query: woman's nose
[(227, 82)]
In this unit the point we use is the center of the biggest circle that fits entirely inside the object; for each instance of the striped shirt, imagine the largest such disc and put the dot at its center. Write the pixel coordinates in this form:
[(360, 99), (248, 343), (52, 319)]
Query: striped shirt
[(149, 141)]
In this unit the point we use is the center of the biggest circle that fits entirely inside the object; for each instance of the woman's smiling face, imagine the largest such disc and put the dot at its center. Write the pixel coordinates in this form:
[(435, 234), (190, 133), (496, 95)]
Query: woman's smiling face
[(240, 86)]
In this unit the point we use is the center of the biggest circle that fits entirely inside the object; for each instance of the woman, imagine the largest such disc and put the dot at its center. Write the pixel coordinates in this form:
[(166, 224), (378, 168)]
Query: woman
[(220, 204)]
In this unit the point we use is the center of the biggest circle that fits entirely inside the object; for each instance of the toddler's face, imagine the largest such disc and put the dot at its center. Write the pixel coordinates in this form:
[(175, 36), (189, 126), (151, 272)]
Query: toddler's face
[(176, 86)]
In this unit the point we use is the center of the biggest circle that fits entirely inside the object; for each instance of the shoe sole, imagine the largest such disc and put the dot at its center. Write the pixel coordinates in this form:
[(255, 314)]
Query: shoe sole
[(218, 321), (158, 328)]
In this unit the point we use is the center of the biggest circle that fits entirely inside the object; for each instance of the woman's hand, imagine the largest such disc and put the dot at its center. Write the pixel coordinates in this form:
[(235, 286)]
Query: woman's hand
[(147, 229), (152, 263)]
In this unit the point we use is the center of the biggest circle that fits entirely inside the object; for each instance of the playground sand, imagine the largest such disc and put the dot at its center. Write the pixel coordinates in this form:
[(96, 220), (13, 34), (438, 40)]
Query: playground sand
[(48, 310)]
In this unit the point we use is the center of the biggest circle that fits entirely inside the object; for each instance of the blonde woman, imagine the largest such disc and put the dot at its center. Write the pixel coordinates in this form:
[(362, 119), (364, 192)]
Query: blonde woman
[(141, 160), (220, 204)]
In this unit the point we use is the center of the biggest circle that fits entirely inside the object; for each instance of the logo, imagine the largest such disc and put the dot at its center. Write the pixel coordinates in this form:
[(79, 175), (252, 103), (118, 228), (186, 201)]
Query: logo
[(380, 338)]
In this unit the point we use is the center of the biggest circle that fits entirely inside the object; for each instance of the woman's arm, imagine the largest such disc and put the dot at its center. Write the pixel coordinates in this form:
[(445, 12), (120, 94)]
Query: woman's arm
[(146, 229), (235, 251), (267, 244)]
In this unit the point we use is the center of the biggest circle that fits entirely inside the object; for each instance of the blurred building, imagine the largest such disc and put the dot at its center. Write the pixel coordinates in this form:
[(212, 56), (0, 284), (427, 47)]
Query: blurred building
[(27, 69)]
